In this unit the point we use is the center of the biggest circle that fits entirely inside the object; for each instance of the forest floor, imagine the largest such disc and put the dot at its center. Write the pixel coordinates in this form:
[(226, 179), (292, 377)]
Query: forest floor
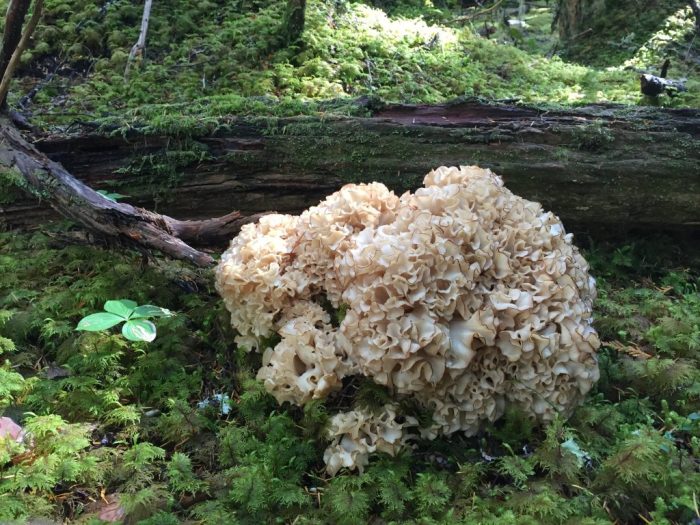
[(220, 58), (178, 430)]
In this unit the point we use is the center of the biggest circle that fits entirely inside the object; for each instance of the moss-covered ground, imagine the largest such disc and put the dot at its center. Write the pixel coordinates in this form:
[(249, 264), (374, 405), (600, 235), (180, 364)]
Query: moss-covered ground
[(209, 58), (178, 430)]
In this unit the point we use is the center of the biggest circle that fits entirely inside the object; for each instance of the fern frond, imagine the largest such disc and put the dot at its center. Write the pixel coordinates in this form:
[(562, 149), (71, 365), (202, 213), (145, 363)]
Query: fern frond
[(181, 477), (517, 468), (347, 500), (431, 493)]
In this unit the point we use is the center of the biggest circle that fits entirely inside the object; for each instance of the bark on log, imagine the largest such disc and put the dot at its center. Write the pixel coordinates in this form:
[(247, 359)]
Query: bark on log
[(598, 168), (49, 181)]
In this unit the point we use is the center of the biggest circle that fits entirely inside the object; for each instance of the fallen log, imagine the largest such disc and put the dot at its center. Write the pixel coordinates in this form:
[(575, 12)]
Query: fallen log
[(653, 86), (49, 181), (597, 167)]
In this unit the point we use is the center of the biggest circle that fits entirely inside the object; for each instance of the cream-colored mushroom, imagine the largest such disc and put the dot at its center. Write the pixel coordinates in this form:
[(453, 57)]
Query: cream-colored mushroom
[(461, 295), (356, 434)]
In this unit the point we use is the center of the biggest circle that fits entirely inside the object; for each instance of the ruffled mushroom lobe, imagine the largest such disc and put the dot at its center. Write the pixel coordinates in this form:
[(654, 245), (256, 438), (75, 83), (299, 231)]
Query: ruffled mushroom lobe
[(461, 296)]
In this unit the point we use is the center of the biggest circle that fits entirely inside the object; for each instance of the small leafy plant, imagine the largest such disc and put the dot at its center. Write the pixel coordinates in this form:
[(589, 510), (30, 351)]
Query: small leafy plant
[(111, 196), (137, 326)]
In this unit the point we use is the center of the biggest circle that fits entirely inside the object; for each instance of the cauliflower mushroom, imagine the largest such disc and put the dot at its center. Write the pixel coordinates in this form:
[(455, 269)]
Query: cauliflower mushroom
[(461, 295)]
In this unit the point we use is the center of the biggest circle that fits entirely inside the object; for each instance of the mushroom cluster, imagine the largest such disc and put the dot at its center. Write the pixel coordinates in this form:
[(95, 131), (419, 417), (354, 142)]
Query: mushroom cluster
[(461, 296)]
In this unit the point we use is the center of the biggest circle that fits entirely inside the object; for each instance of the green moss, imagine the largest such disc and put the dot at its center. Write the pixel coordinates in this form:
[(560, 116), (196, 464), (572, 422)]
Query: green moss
[(608, 40), (11, 185), (593, 137), (162, 171), (138, 420), (130, 419), (210, 60), (636, 438)]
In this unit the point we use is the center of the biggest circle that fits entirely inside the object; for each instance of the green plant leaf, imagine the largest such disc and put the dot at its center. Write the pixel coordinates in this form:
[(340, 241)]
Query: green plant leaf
[(99, 321), (122, 307), (112, 196), (139, 330), (148, 310)]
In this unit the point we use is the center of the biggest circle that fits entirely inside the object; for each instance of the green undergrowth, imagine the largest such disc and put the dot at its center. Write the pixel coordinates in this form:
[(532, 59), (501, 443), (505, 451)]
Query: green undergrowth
[(178, 430), (216, 55), (659, 27)]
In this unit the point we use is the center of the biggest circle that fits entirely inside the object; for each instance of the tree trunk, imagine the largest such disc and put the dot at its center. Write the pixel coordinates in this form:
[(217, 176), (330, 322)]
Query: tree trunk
[(589, 23), (599, 168), (293, 25), (14, 20), (695, 7), (19, 49)]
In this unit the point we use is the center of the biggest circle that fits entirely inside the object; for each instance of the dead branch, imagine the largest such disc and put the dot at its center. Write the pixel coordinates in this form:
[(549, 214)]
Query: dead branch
[(467, 18), (653, 86), (14, 20), (140, 45), (135, 226)]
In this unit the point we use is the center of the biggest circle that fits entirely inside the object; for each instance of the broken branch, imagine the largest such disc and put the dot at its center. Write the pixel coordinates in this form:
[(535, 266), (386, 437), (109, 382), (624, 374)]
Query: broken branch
[(140, 45), (135, 226)]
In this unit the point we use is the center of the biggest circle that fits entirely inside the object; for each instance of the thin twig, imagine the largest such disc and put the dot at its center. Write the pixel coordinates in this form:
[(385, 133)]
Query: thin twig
[(140, 45), (690, 46), (467, 18), (578, 35)]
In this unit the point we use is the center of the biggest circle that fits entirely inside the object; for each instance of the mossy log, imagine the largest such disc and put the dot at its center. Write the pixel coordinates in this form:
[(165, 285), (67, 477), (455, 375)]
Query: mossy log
[(599, 168), (50, 182)]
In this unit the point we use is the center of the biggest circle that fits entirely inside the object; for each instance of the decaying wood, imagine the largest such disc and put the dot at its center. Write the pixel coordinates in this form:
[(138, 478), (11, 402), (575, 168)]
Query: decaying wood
[(211, 231), (599, 168), (55, 186), (653, 86)]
